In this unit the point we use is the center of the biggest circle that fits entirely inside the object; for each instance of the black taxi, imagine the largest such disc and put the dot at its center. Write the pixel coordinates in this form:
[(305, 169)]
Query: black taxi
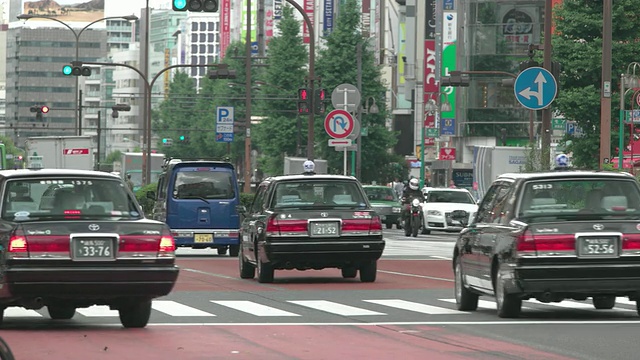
[(309, 222), (552, 236)]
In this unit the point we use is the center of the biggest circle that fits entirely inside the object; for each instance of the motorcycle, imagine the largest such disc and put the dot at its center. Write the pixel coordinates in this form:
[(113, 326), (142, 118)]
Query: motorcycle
[(413, 221)]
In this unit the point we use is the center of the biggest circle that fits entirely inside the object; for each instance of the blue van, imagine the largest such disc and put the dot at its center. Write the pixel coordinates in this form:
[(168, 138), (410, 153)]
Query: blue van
[(199, 200)]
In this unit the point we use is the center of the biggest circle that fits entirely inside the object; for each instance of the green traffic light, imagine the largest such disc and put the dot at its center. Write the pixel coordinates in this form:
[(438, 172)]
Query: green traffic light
[(164, 141), (67, 69), (181, 137), (179, 4)]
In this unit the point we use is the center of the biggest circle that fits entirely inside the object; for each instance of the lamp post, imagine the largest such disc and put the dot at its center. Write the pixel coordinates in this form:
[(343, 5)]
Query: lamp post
[(628, 81), (77, 34)]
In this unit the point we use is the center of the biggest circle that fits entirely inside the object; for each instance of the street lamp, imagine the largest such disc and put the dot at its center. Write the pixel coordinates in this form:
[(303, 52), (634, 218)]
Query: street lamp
[(26, 17), (628, 81)]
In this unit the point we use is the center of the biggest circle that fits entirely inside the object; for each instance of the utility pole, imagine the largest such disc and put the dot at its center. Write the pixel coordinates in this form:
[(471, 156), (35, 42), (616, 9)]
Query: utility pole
[(261, 35), (97, 167), (546, 112), (247, 138), (79, 106), (605, 92), (359, 136)]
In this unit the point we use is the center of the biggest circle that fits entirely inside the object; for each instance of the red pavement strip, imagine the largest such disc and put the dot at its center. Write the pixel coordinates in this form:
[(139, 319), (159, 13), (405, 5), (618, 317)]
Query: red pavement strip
[(265, 343), (222, 275)]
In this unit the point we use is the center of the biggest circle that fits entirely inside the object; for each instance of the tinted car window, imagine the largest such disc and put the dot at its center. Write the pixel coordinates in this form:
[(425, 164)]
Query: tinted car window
[(318, 193), (380, 194), (566, 197), (203, 182), (485, 209), (450, 197), (29, 199)]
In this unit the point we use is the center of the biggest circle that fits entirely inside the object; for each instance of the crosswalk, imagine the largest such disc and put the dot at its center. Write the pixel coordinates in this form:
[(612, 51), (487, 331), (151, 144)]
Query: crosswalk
[(289, 309), (421, 248)]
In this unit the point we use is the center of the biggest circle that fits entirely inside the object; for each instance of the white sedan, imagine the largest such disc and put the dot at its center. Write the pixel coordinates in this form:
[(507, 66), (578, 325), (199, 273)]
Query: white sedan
[(440, 203)]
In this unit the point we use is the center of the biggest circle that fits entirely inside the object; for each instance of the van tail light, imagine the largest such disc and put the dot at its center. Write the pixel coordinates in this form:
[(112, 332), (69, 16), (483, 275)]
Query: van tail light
[(372, 226), (547, 244), (277, 227), (18, 246)]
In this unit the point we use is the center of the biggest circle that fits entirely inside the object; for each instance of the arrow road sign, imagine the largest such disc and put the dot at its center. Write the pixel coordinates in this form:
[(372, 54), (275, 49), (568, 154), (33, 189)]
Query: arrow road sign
[(339, 124), (340, 142), (535, 88)]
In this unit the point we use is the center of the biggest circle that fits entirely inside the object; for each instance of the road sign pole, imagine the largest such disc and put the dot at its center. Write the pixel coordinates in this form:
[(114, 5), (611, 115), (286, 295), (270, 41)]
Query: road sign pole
[(345, 162), (621, 127)]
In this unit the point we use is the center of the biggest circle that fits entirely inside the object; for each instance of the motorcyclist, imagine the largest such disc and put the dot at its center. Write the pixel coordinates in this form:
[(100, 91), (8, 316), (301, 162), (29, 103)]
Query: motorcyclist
[(411, 192)]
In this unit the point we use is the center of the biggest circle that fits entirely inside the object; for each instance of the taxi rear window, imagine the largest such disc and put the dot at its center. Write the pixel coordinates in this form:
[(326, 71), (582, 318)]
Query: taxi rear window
[(318, 193)]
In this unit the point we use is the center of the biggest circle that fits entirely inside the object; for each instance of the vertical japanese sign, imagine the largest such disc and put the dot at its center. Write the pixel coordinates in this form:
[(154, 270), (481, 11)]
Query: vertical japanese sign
[(366, 18), (277, 9), (431, 87), (327, 23), (449, 38), (379, 32), (309, 9), (166, 79), (402, 40), (225, 26), (254, 15), (268, 20)]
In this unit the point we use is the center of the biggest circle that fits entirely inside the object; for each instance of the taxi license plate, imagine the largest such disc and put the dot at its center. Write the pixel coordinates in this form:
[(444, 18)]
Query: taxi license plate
[(598, 247), (324, 228), (93, 249), (203, 238)]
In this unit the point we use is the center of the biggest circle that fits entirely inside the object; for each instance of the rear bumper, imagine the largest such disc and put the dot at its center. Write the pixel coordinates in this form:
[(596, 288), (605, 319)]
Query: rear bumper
[(220, 237), (620, 279), (320, 253), (90, 282)]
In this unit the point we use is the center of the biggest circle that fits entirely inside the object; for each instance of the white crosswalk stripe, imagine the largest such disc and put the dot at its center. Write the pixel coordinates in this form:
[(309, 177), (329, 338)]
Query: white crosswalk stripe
[(368, 307)]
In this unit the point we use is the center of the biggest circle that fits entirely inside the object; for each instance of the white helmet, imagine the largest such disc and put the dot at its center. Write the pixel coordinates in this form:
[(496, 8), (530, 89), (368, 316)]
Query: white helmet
[(309, 166), (414, 184)]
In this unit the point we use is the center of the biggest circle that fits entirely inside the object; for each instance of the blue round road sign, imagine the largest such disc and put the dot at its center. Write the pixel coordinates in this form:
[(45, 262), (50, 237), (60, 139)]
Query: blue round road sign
[(535, 88)]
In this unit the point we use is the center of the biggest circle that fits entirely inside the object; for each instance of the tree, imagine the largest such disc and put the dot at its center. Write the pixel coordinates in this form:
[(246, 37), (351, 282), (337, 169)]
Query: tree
[(577, 45), (336, 65), (276, 135)]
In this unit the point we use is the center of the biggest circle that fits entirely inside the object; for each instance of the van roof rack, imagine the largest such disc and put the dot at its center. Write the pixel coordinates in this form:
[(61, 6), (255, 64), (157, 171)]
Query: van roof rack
[(170, 161)]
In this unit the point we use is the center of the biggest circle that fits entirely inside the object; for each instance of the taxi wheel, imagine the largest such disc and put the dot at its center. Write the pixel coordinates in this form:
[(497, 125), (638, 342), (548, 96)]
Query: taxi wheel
[(61, 312), (265, 271), (368, 271), (247, 271), (2, 314), (508, 305), (349, 272), (604, 302), (389, 225), (135, 315), (465, 299), (222, 250), (233, 250)]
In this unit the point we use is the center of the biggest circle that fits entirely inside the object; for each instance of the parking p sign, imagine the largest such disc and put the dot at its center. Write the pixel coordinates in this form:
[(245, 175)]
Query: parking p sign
[(225, 115)]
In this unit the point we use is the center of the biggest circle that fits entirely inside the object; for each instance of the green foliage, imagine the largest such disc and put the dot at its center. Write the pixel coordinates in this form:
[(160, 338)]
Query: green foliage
[(336, 65), (141, 196), (246, 199), (11, 149), (113, 156), (578, 47), (533, 161)]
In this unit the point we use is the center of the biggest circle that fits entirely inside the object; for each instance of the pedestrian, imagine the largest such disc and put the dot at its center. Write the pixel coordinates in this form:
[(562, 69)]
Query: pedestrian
[(452, 184), (129, 182)]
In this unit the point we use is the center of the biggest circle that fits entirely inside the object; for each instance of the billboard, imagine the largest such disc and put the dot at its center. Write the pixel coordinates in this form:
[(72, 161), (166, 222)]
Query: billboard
[(225, 27), (309, 9), (68, 11)]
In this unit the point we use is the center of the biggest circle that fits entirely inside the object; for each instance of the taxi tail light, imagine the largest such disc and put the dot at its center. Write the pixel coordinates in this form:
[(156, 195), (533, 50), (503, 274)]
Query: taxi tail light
[(631, 242), (18, 243), (277, 226), (72, 214), (375, 228), (167, 244), (551, 243), (372, 226), (48, 243), (525, 244)]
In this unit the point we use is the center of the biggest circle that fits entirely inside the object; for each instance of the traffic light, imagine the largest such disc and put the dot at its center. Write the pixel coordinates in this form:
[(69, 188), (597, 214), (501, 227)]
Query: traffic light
[(320, 96), (184, 139), (167, 141), (455, 79), (39, 110), (76, 69), (195, 5), (119, 107), (304, 101)]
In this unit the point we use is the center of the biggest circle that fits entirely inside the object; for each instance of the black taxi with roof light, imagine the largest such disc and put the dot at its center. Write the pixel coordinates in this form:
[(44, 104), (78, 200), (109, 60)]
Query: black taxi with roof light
[(307, 222), (71, 239), (552, 236)]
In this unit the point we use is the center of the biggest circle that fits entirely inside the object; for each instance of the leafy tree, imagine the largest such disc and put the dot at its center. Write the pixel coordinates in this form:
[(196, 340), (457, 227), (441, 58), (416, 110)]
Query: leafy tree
[(113, 156), (337, 64), (12, 149), (275, 135), (577, 45)]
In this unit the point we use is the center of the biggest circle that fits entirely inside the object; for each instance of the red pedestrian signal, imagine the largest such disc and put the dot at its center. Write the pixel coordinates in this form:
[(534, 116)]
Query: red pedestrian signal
[(320, 95), (303, 94), (304, 101)]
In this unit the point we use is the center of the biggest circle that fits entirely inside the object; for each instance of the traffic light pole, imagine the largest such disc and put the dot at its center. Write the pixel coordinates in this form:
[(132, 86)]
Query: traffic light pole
[(247, 89)]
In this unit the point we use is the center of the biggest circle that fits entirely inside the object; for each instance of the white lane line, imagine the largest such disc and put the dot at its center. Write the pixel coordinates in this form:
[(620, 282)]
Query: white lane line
[(410, 323), (484, 304), (98, 311), (625, 301), (567, 304), (415, 307), (173, 308), (20, 312), (415, 275), (335, 308), (253, 308)]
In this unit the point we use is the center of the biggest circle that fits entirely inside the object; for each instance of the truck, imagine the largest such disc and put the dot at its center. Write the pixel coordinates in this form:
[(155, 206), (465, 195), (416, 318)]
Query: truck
[(489, 162), (61, 152), (294, 165), (131, 164)]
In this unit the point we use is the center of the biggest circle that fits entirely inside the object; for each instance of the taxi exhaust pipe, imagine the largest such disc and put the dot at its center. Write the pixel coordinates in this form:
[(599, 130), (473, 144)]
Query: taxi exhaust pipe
[(547, 297), (33, 304)]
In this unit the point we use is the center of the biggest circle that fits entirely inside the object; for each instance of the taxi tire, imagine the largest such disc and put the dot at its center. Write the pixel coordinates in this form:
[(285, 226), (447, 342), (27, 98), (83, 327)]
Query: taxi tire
[(265, 271), (247, 271), (61, 312), (136, 314), (465, 299), (368, 271), (389, 225), (349, 272), (234, 250), (604, 302), (508, 305), (2, 314)]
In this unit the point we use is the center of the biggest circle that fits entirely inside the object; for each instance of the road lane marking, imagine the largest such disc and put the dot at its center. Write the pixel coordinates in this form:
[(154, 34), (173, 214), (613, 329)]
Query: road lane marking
[(415, 307), (253, 308), (484, 304), (568, 304), (409, 323), (335, 308), (20, 312), (98, 311), (415, 275), (174, 308)]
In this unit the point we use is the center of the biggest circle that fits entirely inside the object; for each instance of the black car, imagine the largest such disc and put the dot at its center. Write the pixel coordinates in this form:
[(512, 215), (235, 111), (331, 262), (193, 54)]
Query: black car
[(552, 236), (71, 239), (308, 222)]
